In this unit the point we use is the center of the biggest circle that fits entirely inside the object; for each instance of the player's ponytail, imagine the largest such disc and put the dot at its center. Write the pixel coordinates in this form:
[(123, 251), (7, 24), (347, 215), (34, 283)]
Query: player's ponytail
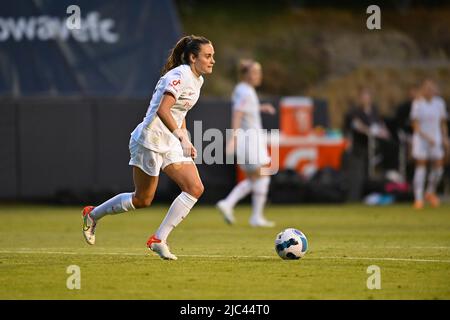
[(183, 49)]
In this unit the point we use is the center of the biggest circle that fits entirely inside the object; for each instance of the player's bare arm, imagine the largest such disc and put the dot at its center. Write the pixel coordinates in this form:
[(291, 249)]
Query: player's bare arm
[(167, 102), (184, 128), (445, 138), (268, 108)]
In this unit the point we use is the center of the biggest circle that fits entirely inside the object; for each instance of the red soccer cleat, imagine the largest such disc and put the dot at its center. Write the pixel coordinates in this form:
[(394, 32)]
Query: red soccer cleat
[(151, 240), (418, 205), (161, 248), (433, 199), (89, 225)]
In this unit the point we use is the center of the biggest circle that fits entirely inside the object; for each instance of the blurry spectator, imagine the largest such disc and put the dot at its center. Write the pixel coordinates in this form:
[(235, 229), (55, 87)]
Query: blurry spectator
[(363, 122), (368, 136), (401, 119), (366, 120), (400, 126)]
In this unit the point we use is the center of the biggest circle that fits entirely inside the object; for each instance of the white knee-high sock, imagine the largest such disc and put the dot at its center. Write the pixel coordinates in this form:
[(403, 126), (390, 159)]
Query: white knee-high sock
[(419, 182), (121, 203), (434, 177), (177, 212), (259, 197), (241, 190)]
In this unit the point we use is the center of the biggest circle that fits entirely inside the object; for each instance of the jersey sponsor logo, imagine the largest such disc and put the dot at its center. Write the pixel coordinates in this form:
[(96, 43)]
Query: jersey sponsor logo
[(44, 28), (176, 82)]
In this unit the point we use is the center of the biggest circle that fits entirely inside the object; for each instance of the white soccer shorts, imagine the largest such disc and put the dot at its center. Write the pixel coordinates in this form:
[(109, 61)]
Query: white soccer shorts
[(422, 150), (152, 162), (252, 155)]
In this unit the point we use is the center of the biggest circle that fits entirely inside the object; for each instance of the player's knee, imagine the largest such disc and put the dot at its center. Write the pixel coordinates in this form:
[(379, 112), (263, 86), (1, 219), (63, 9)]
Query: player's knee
[(142, 201), (196, 189), (261, 185)]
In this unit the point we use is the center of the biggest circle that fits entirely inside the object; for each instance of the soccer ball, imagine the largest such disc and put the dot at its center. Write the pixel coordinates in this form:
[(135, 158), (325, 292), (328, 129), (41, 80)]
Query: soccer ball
[(291, 244)]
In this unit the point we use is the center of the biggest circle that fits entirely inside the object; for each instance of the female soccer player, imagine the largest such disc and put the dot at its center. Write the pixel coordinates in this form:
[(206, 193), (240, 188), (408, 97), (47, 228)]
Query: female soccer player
[(161, 142), (252, 155), (429, 120)]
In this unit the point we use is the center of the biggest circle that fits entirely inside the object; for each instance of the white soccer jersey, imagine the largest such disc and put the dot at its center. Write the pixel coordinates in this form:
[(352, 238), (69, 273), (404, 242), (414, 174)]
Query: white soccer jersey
[(185, 86), (251, 150), (244, 99), (429, 115)]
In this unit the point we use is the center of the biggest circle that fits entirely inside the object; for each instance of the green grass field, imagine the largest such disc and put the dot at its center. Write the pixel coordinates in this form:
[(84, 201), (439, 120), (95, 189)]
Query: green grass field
[(217, 261)]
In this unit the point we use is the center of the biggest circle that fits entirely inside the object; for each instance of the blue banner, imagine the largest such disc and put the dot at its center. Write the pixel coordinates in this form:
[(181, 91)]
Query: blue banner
[(96, 48)]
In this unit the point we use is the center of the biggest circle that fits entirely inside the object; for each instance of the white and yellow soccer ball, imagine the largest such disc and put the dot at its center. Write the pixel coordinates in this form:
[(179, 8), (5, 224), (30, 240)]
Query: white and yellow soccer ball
[(291, 244)]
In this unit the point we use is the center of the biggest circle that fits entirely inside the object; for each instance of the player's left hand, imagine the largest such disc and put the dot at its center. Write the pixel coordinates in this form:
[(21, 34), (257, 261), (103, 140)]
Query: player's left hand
[(268, 108)]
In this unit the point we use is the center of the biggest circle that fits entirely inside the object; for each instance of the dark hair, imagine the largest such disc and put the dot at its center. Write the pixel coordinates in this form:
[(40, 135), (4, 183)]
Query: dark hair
[(183, 49)]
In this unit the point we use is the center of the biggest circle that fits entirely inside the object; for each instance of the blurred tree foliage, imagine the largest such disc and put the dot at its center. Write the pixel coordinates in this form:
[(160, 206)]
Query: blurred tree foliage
[(323, 49)]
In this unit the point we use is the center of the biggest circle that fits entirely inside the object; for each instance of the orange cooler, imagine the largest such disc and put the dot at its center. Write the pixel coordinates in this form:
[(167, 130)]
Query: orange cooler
[(296, 116)]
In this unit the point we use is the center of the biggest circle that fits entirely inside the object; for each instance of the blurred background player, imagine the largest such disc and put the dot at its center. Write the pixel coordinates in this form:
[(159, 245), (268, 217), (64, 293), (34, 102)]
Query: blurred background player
[(430, 140), (251, 155), (161, 142)]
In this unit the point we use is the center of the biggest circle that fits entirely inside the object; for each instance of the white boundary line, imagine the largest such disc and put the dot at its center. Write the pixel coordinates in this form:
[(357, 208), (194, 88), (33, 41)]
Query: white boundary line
[(399, 247), (218, 256), (384, 259), (323, 247)]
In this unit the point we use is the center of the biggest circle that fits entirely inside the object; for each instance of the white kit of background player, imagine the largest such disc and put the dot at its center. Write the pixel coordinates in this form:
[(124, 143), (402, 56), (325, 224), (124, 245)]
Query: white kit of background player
[(429, 119), (251, 154)]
